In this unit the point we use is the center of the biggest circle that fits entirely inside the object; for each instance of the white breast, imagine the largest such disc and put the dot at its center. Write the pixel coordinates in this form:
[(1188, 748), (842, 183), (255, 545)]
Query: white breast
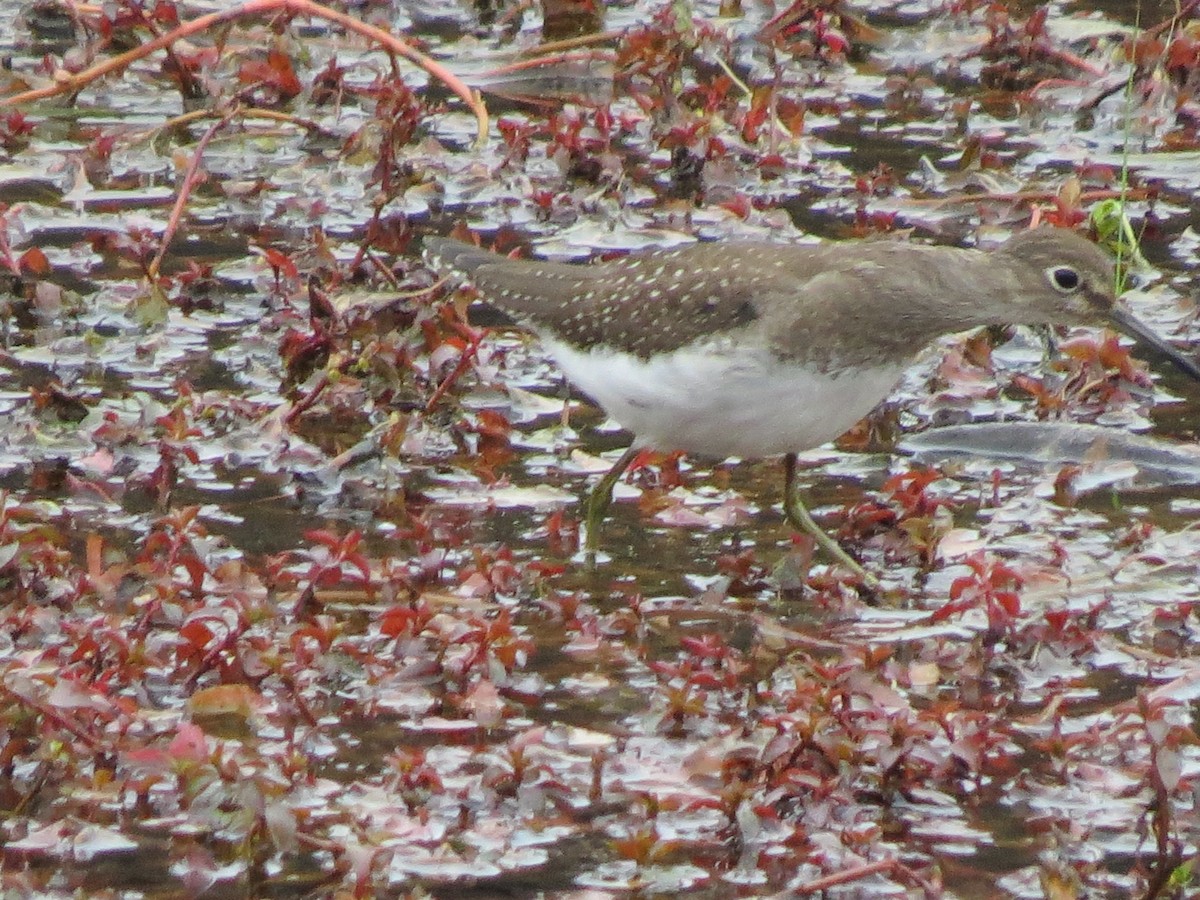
[(723, 401)]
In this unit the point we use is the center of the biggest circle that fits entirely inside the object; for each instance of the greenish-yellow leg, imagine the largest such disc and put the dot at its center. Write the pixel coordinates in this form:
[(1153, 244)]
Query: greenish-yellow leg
[(600, 498), (800, 519)]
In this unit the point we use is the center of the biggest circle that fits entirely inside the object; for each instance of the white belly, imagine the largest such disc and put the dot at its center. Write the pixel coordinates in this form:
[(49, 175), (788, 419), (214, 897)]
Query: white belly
[(719, 403)]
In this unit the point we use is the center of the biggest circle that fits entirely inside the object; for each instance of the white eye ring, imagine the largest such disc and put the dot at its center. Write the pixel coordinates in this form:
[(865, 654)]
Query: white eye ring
[(1064, 279)]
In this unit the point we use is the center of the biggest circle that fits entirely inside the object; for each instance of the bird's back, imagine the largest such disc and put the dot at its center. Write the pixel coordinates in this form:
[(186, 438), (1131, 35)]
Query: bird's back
[(801, 297)]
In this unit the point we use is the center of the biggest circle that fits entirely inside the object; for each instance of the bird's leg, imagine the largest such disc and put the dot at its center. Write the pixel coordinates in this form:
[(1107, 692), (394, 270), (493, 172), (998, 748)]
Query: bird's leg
[(600, 497), (800, 519)]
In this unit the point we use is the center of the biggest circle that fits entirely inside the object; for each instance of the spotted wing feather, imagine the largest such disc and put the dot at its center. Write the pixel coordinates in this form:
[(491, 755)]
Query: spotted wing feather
[(649, 303)]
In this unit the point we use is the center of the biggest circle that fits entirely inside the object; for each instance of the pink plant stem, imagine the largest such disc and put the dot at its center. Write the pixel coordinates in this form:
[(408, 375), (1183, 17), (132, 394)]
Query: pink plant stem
[(464, 363), (874, 868), (185, 191), (66, 82), (52, 715), (299, 407)]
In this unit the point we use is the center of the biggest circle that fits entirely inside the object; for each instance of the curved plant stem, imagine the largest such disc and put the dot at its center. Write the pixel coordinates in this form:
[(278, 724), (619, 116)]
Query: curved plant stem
[(584, 40), (185, 191), (69, 83), (469, 352), (196, 115)]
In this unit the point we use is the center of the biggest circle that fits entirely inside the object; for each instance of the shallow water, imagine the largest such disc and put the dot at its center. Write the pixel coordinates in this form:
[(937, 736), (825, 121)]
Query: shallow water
[(292, 595)]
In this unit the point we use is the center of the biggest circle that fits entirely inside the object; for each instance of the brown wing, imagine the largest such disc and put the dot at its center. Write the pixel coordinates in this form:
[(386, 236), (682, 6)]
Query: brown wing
[(645, 303)]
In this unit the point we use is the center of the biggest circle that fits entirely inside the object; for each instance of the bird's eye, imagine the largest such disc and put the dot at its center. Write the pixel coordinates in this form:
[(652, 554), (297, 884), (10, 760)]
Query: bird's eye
[(1063, 278)]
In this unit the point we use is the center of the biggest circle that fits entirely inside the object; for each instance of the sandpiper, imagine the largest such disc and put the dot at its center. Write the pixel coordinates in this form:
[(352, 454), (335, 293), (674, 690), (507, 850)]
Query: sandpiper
[(751, 349)]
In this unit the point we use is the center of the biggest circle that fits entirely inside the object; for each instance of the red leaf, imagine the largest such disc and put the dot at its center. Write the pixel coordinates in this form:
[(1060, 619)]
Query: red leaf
[(34, 262), (189, 743), (197, 634)]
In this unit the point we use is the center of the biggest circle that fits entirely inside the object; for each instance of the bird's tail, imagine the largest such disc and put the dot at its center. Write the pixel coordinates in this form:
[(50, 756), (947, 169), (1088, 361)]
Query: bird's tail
[(457, 258)]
